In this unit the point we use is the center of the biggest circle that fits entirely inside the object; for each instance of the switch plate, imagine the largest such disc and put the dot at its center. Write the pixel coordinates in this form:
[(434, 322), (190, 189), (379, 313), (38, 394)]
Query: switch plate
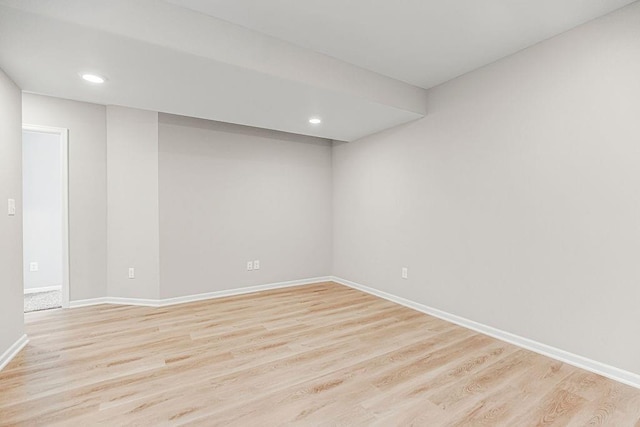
[(11, 207), (249, 265), (405, 273), (132, 273), (256, 264), (33, 266)]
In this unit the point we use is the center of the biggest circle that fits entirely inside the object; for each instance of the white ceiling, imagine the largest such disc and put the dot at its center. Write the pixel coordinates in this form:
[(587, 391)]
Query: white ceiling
[(161, 57), (422, 42), (271, 64)]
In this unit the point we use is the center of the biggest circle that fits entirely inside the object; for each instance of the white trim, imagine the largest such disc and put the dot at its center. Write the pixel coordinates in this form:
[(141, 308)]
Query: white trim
[(64, 179), (198, 297), (241, 291), (616, 374), (42, 289), (88, 302), (13, 351)]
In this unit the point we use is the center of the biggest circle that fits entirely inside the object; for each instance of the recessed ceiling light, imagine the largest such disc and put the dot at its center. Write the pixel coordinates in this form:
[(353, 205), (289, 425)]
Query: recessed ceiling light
[(93, 78), (315, 121)]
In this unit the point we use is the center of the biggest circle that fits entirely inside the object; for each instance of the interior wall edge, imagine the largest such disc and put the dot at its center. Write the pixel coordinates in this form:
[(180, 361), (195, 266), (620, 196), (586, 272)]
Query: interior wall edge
[(11, 284)]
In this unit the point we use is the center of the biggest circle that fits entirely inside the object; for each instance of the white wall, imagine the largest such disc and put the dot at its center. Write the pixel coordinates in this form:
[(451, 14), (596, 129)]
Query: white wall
[(11, 291), (42, 207), (515, 202), (132, 227), (87, 187), (230, 194)]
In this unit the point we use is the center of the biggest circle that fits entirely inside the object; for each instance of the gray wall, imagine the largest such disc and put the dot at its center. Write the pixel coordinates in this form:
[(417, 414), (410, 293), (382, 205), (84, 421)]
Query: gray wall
[(230, 194), (11, 291), (87, 187), (42, 207), (254, 192), (515, 202), (132, 212)]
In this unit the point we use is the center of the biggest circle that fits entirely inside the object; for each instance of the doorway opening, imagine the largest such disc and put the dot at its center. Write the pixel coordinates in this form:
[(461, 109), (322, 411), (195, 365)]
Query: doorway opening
[(45, 230)]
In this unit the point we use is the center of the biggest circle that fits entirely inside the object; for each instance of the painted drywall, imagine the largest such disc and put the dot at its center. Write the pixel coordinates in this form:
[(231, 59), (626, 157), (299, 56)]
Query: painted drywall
[(42, 209), (87, 187), (11, 291), (515, 202), (231, 194), (132, 194)]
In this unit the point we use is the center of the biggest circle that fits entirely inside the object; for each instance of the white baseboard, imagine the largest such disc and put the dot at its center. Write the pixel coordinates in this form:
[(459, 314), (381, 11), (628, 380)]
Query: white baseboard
[(241, 291), (198, 297), (88, 302), (43, 289), (616, 374), (12, 351)]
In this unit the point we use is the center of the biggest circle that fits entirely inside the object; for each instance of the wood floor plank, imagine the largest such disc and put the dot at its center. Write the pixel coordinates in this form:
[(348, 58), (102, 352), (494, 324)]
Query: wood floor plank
[(320, 354)]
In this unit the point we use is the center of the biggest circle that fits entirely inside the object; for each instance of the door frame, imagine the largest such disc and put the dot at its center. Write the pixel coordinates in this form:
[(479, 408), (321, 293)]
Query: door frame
[(63, 133)]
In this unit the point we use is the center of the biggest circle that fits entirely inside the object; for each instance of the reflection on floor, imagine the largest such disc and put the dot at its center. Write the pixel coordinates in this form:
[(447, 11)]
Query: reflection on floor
[(42, 301)]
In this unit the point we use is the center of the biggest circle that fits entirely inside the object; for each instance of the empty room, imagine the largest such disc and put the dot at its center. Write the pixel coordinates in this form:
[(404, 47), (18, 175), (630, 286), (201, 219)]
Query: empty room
[(285, 212)]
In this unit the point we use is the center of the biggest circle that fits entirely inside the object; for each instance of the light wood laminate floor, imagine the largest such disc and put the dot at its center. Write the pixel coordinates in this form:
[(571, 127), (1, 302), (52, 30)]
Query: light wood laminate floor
[(312, 355)]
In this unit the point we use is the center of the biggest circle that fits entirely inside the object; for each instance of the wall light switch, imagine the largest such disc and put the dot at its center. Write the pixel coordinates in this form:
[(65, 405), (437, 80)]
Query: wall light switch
[(33, 266), (249, 265), (11, 207), (256, 264), (132, 273), (405, 272)]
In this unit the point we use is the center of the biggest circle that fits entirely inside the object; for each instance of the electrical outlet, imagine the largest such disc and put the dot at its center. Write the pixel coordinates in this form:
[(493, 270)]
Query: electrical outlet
[(249, 265), (256, 264), (33, 266), (11, 207), (405, 273), (132, 273)]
